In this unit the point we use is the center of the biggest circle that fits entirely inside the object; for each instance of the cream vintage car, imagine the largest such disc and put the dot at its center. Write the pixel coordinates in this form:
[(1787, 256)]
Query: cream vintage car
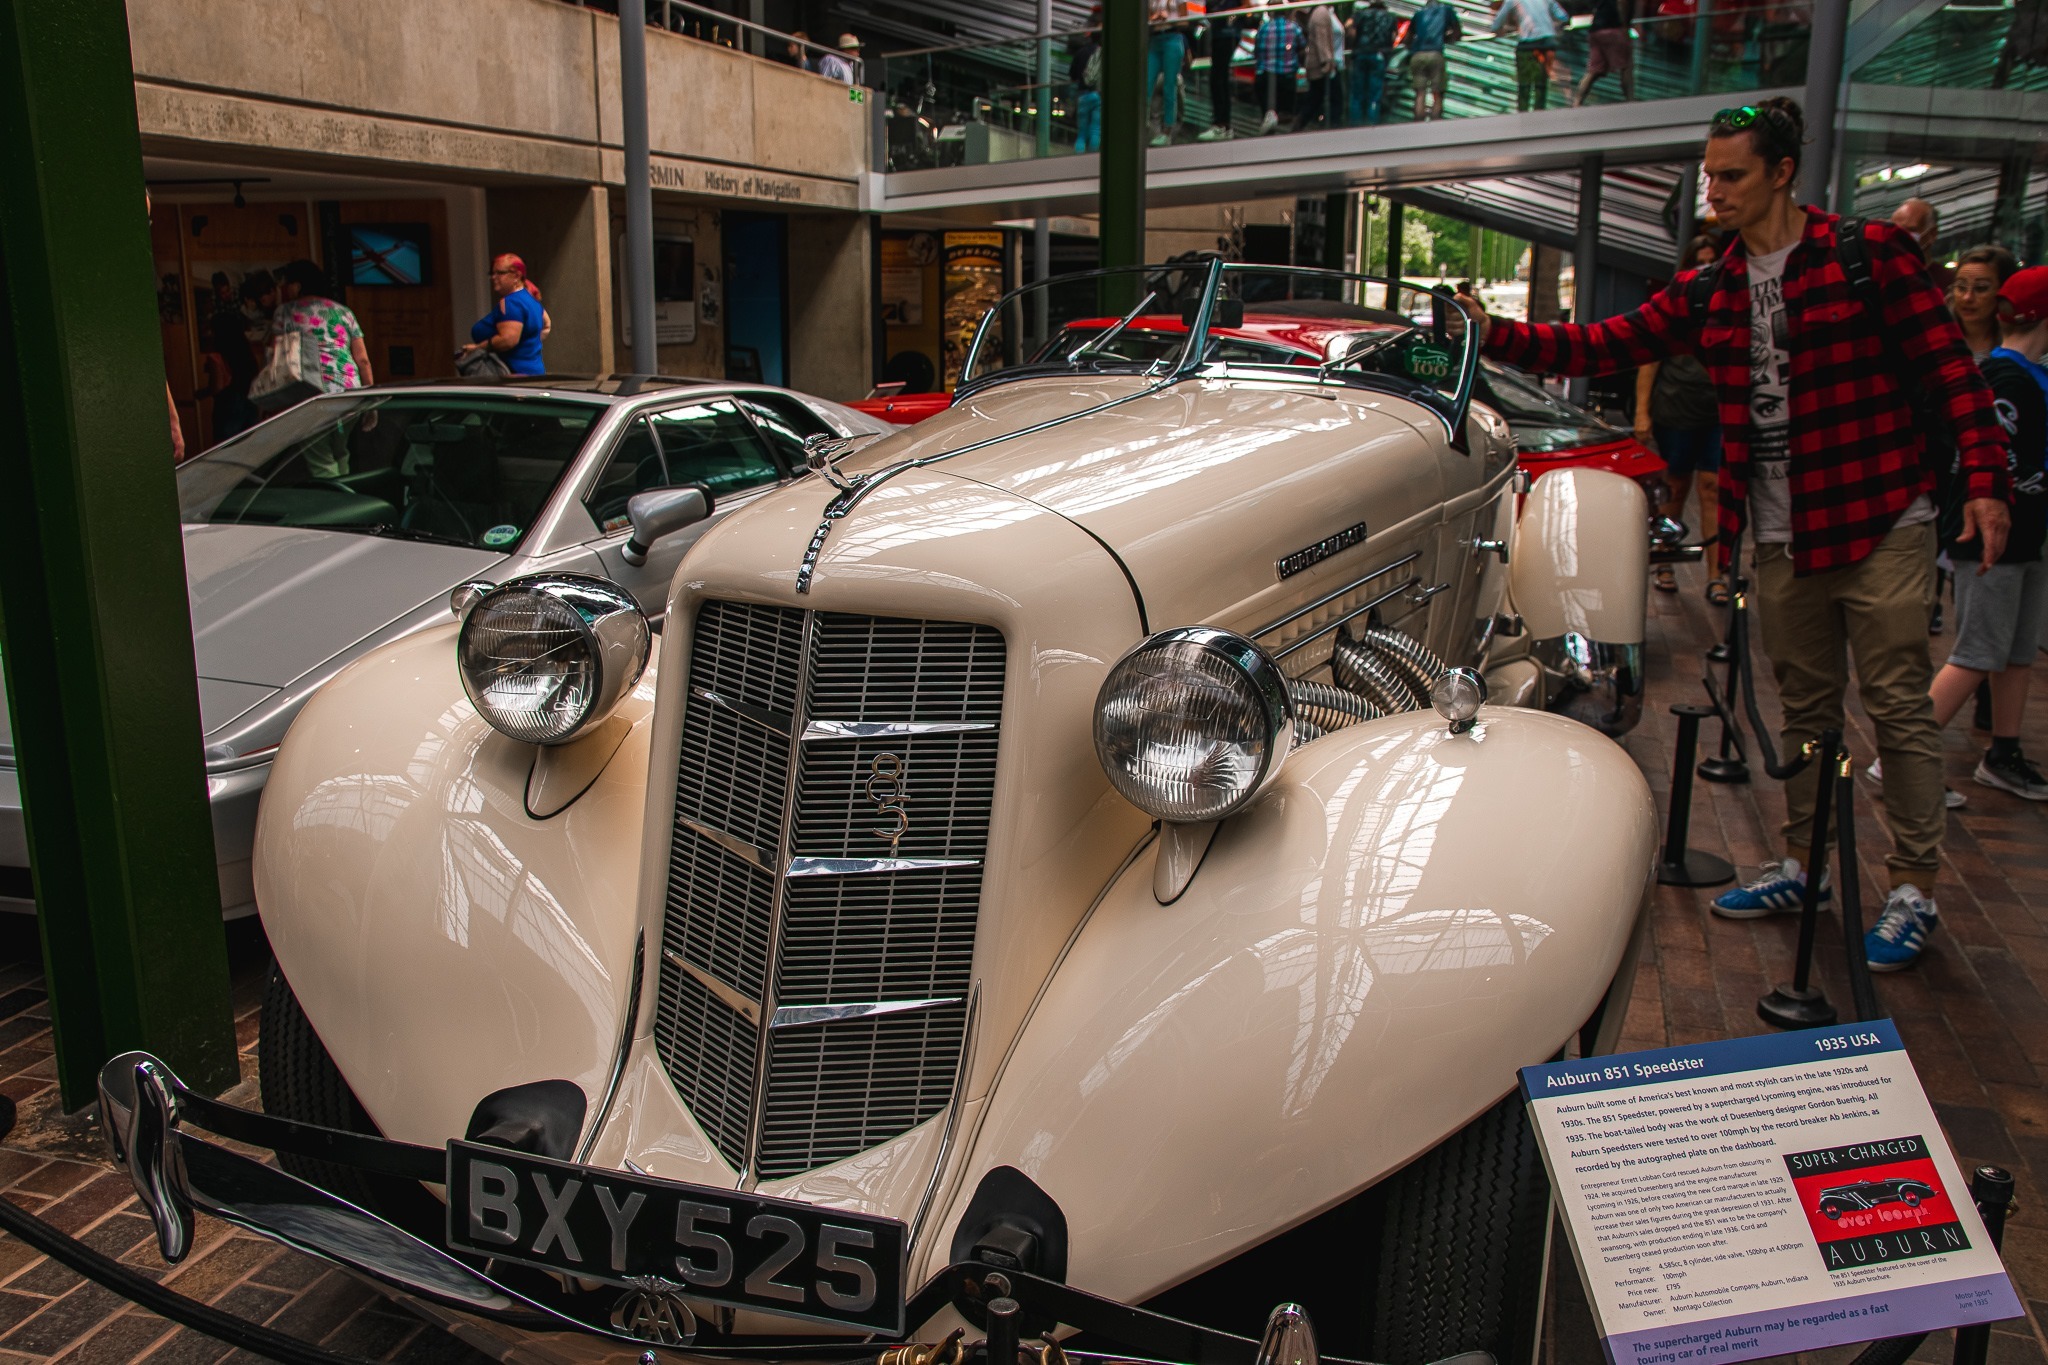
[(1103, 849)]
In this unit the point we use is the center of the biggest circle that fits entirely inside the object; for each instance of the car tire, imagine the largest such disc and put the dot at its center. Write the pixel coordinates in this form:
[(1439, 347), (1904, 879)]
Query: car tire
[(1912, 1199), (300, 1081), (1830, 1211), (1462, 1246)]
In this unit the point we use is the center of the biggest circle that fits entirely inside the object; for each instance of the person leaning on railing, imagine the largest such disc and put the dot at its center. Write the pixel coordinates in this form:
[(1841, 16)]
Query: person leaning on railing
[(1823, 464)]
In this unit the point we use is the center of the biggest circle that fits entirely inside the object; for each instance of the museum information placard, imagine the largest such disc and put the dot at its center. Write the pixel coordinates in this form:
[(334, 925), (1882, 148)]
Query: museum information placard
[(1760, 1196)]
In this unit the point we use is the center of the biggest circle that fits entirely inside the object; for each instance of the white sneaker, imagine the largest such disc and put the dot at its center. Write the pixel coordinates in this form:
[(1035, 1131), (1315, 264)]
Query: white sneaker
[(1269, 122), (1216, 134), (1950, 797), (1161, 140)]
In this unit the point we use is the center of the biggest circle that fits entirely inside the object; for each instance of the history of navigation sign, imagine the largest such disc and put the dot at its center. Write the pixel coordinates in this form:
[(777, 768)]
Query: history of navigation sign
[(1760, 1196)]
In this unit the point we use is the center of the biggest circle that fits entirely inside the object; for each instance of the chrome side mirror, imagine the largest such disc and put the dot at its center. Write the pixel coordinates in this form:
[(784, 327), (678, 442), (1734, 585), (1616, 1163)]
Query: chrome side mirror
[(661, 512)]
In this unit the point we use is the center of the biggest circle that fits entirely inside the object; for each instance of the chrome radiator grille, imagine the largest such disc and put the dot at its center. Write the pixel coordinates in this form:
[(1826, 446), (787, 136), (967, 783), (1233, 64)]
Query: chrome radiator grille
[(832, 814)]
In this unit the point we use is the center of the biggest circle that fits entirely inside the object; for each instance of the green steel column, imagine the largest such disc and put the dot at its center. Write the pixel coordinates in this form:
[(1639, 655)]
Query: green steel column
[(94, 626), (1122, 184)]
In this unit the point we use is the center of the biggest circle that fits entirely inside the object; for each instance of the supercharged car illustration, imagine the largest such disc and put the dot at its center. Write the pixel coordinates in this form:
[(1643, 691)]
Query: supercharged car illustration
[(1868, 1194), (1087, 859)]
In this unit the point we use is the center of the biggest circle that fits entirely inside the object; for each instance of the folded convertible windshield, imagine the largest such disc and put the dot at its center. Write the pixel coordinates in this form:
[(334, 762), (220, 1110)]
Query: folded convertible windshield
[(1175, 318), (455, 469)]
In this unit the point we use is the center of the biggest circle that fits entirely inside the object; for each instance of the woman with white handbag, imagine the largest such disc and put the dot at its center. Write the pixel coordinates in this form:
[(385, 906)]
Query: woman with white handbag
[(316, 346)]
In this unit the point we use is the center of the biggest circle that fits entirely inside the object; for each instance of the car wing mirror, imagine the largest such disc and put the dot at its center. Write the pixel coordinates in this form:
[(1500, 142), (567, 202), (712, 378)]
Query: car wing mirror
[(661, 512)]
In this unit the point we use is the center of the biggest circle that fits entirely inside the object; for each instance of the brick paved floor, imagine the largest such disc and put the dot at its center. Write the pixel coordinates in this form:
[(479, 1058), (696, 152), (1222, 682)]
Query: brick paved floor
[(54, 1167), (1974, 1015)]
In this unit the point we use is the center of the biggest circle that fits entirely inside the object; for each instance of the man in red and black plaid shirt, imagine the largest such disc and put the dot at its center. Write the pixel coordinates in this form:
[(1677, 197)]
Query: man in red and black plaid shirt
[(1823, 464)]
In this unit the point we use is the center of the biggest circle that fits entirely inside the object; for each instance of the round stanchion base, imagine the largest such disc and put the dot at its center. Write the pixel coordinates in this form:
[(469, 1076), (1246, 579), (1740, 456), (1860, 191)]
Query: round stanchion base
[(1726, 770), (1788, 1007), (1718, 654), (1695, 868)]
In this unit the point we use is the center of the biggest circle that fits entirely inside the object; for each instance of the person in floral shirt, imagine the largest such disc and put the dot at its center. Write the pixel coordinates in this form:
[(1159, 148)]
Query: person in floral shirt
[(308, 305)]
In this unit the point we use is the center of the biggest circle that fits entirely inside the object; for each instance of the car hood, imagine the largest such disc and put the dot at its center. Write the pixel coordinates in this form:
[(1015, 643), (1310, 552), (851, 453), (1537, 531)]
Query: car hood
[(1200, 487), (269, 602)]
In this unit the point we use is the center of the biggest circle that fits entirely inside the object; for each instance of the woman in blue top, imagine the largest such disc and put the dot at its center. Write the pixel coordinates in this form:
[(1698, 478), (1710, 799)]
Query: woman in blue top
[(513, 328)]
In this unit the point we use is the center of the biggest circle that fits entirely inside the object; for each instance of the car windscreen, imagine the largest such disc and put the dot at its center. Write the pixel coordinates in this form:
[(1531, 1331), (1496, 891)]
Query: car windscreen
[(1541, 421), (456, 468)]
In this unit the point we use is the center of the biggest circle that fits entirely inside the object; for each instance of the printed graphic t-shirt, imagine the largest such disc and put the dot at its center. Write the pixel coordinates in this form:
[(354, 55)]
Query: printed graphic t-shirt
[(1770, 401)]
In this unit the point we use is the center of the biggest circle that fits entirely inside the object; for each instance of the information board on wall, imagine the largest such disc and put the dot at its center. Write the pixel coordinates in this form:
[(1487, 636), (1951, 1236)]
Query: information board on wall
[(1760, 1196)]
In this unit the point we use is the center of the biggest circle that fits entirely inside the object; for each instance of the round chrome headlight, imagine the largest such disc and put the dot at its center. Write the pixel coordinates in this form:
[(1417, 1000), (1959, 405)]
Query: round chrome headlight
[(1193, 723), (548, 656)]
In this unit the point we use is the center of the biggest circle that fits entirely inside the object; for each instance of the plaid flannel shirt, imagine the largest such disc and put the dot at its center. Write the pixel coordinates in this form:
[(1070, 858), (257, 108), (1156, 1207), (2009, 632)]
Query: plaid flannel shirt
[(1857, 458)]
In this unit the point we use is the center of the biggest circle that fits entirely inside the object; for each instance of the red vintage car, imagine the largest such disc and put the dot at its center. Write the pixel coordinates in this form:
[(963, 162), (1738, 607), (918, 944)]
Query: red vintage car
[(1550, 433)]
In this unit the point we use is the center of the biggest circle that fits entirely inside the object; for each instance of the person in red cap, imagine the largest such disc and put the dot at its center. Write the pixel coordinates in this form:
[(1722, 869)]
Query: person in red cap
[(2000, 614)]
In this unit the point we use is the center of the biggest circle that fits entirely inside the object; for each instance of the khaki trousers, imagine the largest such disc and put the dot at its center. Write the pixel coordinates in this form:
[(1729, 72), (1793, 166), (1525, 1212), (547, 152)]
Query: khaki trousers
[(1875, 611)]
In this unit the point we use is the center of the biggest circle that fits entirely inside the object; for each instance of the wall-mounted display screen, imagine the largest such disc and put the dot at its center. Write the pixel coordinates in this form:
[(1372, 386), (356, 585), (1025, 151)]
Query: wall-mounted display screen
[(389, 254)]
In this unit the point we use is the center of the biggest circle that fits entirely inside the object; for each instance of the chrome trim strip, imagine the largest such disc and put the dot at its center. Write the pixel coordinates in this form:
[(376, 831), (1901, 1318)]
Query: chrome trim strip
[(888, 729), (1291, 617), (731, 843), (785, 861), (772, 721), (1352, 615), (618, 1073), (731, 998), (796, 1016), (861, 867), (953, 1108)]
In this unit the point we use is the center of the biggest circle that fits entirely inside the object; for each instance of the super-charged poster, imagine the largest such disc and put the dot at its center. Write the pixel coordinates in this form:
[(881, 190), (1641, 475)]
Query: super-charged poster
[(1762, 1196)]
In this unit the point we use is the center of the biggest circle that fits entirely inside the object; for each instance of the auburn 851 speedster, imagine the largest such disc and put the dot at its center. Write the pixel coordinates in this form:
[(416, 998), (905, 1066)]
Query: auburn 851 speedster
[(1101, 849)]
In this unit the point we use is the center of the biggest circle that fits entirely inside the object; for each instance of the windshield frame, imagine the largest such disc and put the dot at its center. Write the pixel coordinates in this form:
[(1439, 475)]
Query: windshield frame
[(545, 533), (1187, 362)]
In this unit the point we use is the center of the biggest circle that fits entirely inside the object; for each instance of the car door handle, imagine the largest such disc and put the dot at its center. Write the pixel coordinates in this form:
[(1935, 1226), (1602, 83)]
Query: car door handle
[(1422, 594), (1494, 547)]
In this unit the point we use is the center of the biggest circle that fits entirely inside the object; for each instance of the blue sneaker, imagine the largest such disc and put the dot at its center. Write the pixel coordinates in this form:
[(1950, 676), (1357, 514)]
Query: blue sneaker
[(1779, 888), (1901, 932)]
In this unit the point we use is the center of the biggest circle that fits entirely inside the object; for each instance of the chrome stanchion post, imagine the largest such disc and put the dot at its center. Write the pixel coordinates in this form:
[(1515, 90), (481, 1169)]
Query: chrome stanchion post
[(1849, 886), (1679, 865), (1803, 1004)]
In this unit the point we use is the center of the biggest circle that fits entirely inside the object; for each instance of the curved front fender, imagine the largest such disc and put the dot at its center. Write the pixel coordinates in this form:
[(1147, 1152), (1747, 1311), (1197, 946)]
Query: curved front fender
[(1363, 960), (444, 942)]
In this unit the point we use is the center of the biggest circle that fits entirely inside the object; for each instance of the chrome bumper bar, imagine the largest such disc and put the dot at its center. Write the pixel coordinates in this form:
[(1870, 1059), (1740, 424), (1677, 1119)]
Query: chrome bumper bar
[(143, 1110)]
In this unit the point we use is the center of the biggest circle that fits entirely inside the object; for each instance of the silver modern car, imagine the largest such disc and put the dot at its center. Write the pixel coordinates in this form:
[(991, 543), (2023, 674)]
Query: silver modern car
[(347, 521)]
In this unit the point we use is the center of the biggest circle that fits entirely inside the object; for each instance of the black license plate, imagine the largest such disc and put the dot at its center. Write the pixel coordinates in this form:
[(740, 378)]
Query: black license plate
[(774, 1255)]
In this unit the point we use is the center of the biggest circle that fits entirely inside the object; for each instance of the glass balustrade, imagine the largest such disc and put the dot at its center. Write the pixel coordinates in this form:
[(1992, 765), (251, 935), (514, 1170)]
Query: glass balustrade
[(1970, 45), (1009, 101)]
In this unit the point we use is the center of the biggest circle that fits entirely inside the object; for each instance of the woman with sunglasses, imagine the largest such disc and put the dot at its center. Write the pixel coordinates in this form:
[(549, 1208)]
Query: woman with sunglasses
[(1823, 464)]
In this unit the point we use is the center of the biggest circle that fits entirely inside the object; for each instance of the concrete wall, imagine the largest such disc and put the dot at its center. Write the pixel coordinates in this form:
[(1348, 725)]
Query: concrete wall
[(831, 349), (523, 88), (563, 234)]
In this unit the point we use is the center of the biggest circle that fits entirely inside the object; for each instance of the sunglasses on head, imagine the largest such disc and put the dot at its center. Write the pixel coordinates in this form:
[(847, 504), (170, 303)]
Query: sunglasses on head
[(1745, 116)]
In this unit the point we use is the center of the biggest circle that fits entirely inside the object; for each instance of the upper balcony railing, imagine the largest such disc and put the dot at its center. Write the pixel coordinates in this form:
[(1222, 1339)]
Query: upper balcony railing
[(976, 103)]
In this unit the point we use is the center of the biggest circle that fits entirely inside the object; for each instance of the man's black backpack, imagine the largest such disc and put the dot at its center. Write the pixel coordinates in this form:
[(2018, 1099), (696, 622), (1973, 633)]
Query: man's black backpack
[(1939, 450)]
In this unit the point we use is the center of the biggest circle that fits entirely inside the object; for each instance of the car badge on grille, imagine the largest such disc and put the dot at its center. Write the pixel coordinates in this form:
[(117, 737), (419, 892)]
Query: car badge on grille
[(652, 1309), (888, 789)]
